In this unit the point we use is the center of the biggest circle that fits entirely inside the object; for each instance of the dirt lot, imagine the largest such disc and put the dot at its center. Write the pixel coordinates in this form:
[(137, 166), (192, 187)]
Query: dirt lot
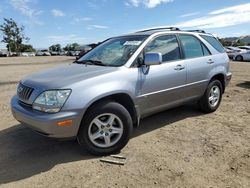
[(176, 148)]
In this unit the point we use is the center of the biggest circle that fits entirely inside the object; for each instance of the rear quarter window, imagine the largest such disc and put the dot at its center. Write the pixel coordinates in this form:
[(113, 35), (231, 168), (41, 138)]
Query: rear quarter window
[(214, 42)]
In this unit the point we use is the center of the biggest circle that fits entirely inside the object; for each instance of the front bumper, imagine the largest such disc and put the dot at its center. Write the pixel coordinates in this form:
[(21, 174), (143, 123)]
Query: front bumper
[(45, 123)]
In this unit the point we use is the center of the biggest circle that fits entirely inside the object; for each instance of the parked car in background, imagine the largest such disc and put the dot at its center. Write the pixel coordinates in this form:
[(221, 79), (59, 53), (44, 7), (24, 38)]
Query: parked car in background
[(73, 53), (244, 47), (85, 49), (231, 51), (43, 53), (24, 54), (39, 53), (242, 56), (70, 53), (62, 53), (53, 53), (13, 54), (46, 53), (99, 98), (32, 54), (3, 54)]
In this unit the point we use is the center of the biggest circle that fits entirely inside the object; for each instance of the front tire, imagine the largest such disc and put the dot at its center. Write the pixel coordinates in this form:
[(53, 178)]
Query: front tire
[(105, 129), (211, 99)]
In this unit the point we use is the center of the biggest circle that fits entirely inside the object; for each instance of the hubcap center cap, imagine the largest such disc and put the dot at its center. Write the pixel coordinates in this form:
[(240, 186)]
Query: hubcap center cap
[(106, 129)]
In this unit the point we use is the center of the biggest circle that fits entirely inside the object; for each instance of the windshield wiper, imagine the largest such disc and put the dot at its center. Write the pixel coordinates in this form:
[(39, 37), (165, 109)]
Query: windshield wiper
[(90, 62)]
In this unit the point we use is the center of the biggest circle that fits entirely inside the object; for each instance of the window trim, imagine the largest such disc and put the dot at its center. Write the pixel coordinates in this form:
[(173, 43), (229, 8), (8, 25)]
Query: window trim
[(202, 44)]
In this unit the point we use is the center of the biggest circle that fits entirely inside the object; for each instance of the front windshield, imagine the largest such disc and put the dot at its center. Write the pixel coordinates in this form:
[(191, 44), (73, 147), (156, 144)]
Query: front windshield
[(115, 51)]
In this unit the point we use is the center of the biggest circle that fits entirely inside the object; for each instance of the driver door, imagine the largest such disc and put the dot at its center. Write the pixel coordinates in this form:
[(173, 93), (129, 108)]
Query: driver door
[(161, 86)]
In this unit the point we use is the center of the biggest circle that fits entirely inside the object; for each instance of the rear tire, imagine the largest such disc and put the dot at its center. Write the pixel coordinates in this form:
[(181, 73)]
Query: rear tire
[(105, 129), (239, 58), (211, 99)]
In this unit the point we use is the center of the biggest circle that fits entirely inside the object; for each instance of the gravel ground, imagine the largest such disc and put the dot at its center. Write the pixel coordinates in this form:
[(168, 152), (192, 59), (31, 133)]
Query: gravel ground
[(181, 147)]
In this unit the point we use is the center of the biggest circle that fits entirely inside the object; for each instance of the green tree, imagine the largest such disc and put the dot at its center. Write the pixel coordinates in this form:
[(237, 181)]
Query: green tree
[(239, 43), (56, 48), (26, 48), (71, 47), (75, 46), (13, 35), (225, 42), (93, 45)]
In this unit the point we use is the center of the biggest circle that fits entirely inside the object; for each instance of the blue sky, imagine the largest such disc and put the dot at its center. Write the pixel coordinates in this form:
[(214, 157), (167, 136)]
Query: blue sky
[(49, 22)]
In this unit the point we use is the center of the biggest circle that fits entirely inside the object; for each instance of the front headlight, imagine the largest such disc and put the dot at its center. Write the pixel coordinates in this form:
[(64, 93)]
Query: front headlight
[(51, 101)]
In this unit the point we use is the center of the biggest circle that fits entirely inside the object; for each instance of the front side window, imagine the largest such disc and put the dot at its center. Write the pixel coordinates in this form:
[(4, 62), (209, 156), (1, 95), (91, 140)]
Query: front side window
[(115, 51), (192, 46), (167, 45)]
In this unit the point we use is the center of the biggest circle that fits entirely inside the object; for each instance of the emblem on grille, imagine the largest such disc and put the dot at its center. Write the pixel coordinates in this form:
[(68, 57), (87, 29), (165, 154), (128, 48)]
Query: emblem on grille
[(19, 89)]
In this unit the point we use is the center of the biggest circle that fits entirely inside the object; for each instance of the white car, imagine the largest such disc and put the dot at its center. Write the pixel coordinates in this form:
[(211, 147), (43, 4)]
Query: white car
[(231, 51), (242, 56), (245, 48), (24, 54), (32, 54)]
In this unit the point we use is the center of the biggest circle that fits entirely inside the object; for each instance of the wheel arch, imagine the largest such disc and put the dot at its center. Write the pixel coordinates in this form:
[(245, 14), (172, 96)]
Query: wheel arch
[(221, 78), (122, 98)]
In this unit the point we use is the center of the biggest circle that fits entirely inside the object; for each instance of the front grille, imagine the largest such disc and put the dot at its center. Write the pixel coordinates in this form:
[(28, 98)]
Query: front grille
[(24, 92)]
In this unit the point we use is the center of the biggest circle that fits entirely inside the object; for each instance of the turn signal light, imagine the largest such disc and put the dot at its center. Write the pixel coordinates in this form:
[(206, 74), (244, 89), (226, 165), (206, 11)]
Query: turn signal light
[(68, 122)]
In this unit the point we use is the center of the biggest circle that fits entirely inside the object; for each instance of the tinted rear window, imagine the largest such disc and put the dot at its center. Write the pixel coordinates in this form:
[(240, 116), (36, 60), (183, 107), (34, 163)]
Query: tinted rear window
[(214, 42)]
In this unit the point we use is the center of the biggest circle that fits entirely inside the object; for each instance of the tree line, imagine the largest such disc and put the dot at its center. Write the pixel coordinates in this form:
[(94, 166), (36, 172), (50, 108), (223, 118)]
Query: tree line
[(236, 42), (13, 36)]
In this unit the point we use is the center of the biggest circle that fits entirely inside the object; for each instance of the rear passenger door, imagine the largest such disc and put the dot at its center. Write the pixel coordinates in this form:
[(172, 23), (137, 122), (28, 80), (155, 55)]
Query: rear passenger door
[(198, 62)]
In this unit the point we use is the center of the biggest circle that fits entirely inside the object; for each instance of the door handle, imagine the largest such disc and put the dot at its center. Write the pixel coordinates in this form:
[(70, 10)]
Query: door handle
[(210, 61), (179, 67)]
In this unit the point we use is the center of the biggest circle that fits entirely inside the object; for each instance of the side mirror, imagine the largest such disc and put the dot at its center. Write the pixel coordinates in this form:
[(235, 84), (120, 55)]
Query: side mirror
[(152, 58)]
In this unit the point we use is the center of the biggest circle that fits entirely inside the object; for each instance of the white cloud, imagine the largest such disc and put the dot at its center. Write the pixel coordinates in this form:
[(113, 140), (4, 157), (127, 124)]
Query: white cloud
[(237, 8), (24, 7), (92, 5), (97, 27), (189, 14), (127, 4), (221, 18), (147, 3), (57, 13), (81, 19), (63, 39)]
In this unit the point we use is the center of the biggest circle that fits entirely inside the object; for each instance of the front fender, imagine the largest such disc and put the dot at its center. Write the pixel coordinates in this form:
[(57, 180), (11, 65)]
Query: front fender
[(83, 95)]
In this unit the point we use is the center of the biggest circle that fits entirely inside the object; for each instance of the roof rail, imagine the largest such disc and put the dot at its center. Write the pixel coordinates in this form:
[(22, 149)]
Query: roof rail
[(159, 28), (197, 30)]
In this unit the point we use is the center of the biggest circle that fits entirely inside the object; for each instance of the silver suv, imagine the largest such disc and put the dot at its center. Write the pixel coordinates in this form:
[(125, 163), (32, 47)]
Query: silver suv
[(99, 98)]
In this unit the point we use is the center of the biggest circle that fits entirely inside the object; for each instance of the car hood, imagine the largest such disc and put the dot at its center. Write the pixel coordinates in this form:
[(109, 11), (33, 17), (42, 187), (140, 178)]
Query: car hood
[(63, 76)]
